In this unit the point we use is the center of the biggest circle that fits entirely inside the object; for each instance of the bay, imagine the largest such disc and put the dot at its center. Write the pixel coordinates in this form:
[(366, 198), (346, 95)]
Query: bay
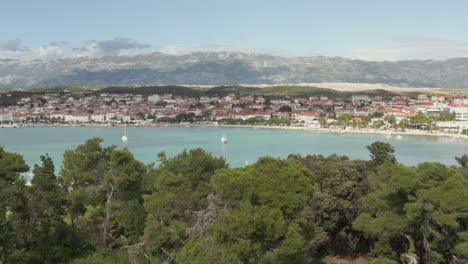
[(244, 144)]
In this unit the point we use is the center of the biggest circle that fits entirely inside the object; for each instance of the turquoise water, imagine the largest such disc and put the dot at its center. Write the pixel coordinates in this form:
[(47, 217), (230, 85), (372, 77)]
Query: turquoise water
[(245, 144)]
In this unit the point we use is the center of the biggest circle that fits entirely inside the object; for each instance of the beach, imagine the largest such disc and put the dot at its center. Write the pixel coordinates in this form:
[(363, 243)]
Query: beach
[(391, 132)]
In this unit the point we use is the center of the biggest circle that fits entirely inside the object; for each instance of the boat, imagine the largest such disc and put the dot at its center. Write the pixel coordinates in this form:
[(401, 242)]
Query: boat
[(399, 137), (389, 136), (224, 140), (124, 137)]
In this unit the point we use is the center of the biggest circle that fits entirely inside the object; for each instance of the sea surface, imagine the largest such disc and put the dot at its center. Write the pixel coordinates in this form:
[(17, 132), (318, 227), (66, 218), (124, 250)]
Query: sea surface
[(244, 144)]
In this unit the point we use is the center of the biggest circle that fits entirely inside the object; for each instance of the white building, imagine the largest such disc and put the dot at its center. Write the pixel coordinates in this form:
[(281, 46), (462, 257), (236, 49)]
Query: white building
[(77, 118), (461, 112), (360, 99), (154, 98), (5, 117), (308, 117), (98, 117)]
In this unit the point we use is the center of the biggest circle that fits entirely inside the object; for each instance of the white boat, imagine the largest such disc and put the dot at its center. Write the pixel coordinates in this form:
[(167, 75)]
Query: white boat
[(389, 136), (399, 137), (224, 140), (124, 137)]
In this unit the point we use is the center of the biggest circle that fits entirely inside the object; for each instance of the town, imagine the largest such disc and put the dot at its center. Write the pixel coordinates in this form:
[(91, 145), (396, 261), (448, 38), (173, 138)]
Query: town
[(429, 113)]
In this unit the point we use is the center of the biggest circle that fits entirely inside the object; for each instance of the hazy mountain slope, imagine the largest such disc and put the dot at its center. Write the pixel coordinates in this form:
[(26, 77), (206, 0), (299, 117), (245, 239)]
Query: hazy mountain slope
[(220, 68)]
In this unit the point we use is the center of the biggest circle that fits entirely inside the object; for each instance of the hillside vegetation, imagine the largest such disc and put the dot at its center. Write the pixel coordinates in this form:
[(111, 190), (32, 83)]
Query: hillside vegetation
[(270, 91)]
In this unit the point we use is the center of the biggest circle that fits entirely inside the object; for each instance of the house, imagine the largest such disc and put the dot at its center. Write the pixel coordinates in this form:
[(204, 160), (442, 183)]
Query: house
[(20, 116), (341, 110), (307, 117), (220, 116), (98, 117), (360, 99), (57, 115), (260, 100), (378, 101), (437, 98), (397, 112), (280, 101), (461, 112), (5, 117), (423, 98), (280, 114), (154, 98), (77, 117), (363, 111)]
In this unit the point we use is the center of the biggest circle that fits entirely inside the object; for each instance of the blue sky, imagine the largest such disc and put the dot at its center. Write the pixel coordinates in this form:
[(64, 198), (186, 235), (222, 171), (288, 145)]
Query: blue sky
[(365, 29)]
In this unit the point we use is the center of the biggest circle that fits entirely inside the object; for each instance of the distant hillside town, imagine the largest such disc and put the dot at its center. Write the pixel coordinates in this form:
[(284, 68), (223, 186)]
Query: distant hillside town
[(361, 110)]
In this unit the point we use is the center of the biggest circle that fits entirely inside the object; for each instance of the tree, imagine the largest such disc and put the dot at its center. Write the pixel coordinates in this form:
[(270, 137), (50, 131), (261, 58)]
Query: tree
[(418, 212), (44, 236), (267, 201), (381, 152), (285, 108), (391, 120), (100, 182), (378, 124), (177, 189), (13, 203), (344, 119), (140, 116), (323, 121), (420, 120), (463, 161), (340, 185), (405, 123)]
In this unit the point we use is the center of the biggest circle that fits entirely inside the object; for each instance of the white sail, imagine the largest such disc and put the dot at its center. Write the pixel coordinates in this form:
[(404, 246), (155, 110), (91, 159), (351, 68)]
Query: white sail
[(124, 137)]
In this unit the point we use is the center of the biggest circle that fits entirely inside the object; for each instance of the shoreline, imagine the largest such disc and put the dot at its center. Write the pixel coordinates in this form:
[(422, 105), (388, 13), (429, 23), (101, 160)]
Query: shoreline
[(320, 130)]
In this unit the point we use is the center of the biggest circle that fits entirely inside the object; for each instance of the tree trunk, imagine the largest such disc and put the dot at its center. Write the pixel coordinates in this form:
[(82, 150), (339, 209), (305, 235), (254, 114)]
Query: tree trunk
[(108, 217)]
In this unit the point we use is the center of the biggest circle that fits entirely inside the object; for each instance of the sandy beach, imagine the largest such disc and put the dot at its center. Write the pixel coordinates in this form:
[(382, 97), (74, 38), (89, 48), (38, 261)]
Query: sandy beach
[(393, 133)]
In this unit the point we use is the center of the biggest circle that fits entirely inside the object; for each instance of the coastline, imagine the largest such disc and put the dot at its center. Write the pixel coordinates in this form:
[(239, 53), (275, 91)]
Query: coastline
[(392, 133)]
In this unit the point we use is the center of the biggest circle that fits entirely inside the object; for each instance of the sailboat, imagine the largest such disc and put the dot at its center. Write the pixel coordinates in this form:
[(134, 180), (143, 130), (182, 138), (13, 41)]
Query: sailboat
[(124, 137)]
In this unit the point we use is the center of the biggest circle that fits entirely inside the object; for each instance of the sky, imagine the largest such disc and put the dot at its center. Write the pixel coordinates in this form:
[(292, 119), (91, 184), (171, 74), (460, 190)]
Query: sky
[(359, 29)]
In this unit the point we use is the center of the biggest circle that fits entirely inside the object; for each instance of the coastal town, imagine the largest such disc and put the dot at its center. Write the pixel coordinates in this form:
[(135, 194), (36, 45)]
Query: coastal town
[(430, 113)]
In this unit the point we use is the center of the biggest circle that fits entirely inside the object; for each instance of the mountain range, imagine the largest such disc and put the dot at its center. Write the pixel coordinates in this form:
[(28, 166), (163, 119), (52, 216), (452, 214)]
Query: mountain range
[(227, 68)]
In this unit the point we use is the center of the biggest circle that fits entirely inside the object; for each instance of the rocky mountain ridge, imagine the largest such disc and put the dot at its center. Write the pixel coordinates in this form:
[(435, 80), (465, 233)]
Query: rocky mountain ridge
[(227, 68)]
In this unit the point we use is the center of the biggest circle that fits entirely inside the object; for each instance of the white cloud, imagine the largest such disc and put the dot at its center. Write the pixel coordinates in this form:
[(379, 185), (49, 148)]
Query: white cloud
[(14, 49), (441, 51), (46, 52), (12, 45), (415, 47), (186, 49), (116, 46)]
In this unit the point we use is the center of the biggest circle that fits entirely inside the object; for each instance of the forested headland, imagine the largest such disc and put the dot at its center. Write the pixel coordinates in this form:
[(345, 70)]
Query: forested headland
[(105, 206)]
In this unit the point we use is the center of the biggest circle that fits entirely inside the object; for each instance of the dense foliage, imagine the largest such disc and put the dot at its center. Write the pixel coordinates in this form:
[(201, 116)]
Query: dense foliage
[(107, 207)]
